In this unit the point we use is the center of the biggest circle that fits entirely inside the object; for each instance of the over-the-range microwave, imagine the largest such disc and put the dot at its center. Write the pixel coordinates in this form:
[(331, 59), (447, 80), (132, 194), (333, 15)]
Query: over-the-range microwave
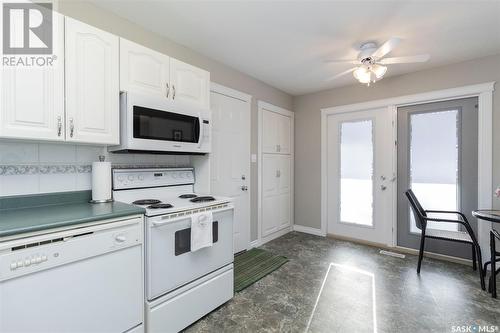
[(152, 124)]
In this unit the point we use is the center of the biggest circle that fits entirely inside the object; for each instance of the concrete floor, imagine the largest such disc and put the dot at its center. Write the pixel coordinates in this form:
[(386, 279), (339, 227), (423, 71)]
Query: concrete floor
[(336, 286)]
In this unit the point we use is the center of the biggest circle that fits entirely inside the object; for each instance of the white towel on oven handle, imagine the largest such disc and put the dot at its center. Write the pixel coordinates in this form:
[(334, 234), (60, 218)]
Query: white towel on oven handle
[(201, 230)]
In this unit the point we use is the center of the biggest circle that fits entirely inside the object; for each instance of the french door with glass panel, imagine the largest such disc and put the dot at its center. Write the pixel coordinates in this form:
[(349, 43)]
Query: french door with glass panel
[(360, 150), (437, 159)]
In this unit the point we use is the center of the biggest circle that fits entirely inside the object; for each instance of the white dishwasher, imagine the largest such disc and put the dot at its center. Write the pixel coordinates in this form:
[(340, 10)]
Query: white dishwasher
[(81, 280)]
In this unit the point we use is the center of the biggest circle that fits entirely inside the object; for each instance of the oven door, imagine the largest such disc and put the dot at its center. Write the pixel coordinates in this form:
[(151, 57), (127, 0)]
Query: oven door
[(170, 262)]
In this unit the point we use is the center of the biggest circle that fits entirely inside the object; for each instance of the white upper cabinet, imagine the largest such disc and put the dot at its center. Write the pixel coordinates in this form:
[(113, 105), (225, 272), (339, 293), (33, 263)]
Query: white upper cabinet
[(284, 131), (92, 84), (189, 84), (32, 98), (149, 72), (276, 133), (143, 70), (269, 132)]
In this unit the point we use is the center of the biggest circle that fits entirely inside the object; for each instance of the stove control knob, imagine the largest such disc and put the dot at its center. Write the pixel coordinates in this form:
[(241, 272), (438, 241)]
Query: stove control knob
[(13, 266), (140, 177), (130, 177), (119, 178)]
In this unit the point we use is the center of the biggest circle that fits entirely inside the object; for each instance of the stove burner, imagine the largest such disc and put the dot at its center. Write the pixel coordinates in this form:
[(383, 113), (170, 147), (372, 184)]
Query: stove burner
[(160, 205), (146, 202), (202, 199), (187, 196)]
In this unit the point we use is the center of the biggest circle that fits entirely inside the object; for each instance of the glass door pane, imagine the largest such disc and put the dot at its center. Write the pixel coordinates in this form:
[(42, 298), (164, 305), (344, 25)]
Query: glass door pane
[(356, 172), (434, 142)]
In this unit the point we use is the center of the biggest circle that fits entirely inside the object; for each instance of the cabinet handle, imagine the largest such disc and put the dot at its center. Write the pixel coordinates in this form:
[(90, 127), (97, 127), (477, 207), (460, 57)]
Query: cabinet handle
[(59, 126), (71, 127), (120, 239), (168, 90), (173, 92)]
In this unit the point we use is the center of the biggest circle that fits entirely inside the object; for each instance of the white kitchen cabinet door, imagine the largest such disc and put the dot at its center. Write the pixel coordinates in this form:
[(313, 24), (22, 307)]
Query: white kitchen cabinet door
[(270, 166), (270, 215), (284, 179), (143, 70), (284, 130), (190, 84), (92, 84), (32, 98), (283, 211), (269, 132), (276, 193)]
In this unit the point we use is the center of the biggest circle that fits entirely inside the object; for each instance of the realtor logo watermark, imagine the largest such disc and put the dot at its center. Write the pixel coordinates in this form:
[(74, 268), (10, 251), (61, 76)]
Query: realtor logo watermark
[(27, 34)]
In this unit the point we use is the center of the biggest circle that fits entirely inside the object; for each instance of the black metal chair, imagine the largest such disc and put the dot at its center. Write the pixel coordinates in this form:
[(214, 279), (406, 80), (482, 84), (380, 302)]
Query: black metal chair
[(492, 286), (421, 219)]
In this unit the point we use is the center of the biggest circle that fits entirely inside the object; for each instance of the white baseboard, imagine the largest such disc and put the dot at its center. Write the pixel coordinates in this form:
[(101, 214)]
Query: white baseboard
[(255, 243), (309, 230), (268, 238)]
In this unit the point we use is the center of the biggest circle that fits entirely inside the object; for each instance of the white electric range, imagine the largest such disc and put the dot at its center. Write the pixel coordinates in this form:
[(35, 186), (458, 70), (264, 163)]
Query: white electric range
[(181, 285)]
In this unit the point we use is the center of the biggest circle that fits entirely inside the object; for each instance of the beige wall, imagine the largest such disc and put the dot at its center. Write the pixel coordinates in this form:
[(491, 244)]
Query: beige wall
[(308, 121), (220, 73)]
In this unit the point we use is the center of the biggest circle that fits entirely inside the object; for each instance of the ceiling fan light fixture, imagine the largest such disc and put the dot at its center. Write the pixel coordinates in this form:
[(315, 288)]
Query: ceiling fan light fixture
[(363, 74), (378, 70)]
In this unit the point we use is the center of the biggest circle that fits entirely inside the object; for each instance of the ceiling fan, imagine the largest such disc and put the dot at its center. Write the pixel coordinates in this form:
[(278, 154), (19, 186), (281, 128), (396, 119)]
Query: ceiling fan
[(370, 63)]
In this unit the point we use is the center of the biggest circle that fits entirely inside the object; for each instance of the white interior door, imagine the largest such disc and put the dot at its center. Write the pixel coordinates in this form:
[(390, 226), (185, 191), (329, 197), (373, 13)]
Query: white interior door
[(230, 159), (360, 161)]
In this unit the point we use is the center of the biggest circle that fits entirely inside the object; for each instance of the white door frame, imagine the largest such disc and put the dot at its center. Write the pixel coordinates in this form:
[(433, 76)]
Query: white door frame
[(223, 90), (483, 91), (261, 105)]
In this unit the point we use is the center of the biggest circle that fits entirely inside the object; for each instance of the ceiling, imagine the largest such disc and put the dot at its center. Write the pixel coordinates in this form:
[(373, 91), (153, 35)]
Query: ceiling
[(286, 43)]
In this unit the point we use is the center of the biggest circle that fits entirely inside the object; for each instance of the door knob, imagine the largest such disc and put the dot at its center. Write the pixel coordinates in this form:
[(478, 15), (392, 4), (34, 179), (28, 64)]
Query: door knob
[(244, 188)]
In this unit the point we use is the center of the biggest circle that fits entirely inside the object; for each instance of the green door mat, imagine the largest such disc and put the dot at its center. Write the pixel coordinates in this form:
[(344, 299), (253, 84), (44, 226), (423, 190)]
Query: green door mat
[(253, 265)]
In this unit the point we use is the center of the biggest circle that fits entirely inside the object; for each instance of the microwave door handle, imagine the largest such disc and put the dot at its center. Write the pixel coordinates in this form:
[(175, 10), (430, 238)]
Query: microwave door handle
[(200, 139)]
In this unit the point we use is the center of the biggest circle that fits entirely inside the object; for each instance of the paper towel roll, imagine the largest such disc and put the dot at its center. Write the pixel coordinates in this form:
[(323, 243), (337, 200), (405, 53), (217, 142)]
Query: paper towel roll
[(101, 181)]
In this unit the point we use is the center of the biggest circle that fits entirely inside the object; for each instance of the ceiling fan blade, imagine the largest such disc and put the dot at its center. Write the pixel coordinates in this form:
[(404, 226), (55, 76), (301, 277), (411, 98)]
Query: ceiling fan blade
[(341, 74), (341, 61), (405, 60), (386, 48)]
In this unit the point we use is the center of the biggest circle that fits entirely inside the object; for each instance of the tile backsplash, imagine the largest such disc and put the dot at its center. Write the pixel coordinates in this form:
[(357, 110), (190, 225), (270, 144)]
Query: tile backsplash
[(29, 168)]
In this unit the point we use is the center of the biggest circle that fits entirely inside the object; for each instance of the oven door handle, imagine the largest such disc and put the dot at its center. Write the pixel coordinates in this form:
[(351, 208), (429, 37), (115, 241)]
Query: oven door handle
[(161, 222)]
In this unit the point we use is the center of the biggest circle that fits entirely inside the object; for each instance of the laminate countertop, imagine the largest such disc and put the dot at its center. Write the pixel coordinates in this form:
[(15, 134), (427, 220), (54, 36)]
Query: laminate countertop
[(34, 213)]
